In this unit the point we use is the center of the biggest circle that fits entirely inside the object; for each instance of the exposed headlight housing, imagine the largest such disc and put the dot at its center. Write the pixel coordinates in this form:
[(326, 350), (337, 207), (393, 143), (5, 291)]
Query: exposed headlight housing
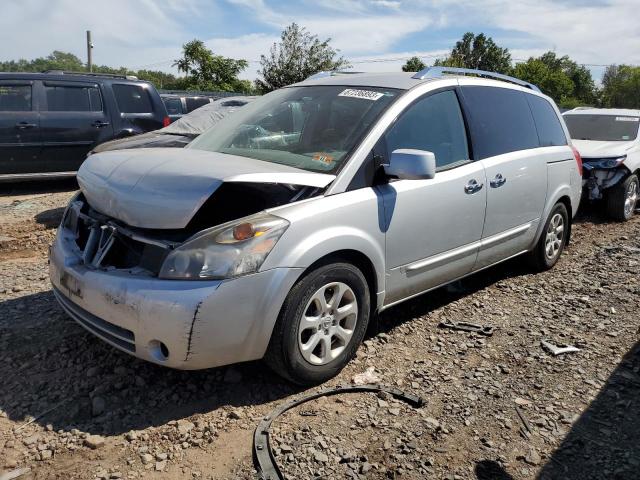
[(229, 250), (613, 162)]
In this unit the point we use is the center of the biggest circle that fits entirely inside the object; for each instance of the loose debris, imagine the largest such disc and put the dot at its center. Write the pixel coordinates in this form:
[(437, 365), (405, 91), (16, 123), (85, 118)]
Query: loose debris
[(558, 350), (486, 330), (265, 459), (368, 377)]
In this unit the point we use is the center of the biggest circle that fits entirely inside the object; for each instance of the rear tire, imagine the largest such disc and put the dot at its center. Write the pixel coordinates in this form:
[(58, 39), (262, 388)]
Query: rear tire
[(321, 325), (622, 199), (552, 241)]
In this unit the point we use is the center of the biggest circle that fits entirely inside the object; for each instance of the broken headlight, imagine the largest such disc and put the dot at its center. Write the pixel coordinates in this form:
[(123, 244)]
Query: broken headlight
[(609, 162), (228, 250)]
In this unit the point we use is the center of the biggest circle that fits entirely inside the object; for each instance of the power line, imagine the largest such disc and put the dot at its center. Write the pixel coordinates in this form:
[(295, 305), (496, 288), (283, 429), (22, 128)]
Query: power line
[(389, 60)]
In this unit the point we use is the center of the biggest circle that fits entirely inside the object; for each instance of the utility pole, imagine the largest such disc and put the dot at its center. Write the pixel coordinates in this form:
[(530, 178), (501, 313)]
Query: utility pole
[(89, 48)]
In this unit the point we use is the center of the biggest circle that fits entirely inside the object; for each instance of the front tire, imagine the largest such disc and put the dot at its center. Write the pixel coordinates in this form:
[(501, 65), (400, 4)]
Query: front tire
[(553, 239), (322, 322), (622, 199)]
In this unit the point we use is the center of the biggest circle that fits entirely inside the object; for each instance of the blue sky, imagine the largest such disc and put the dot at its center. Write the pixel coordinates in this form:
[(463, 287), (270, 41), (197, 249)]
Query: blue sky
[(374, 35)]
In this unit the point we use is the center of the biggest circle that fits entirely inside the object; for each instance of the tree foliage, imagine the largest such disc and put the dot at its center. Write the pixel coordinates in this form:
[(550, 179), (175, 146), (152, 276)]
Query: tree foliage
[(414, 64), (298, 55), (621, 87), (66, 61), (478, 52), (206, 71), (568, 83)]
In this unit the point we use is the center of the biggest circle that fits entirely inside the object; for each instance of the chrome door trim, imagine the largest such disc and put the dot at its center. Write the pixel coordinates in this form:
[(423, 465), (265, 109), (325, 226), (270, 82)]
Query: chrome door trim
[(460, 252), (506, 235), (441, 258)]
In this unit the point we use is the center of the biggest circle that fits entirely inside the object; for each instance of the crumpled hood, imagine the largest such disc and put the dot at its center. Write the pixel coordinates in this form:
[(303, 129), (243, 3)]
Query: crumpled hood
[(164, 188), (144, 140), (600, 149)]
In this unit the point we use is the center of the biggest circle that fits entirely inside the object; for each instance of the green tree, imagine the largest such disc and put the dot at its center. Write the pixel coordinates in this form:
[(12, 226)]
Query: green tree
[(206, 71), (478, 52), (568, 83), (298, 55), (56, 60), (621, 87), (414, 64)]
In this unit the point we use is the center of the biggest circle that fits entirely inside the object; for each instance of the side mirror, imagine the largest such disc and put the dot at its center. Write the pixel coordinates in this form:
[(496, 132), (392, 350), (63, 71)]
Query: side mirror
[(409, 164)]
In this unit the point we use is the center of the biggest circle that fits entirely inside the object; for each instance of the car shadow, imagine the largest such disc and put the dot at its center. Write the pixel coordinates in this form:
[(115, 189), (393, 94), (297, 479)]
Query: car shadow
[(430, 301), (40, 186), (605, 440), (53, 370)]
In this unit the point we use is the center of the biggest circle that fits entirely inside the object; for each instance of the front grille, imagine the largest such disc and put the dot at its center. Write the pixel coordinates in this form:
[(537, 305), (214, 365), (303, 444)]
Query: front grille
[(105, 244), (118, 336)]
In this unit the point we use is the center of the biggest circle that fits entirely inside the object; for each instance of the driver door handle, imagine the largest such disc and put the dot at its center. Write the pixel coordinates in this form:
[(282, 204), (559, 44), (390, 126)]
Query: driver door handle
[(473, 186), (498, 181), (100, 124), (25, 125)]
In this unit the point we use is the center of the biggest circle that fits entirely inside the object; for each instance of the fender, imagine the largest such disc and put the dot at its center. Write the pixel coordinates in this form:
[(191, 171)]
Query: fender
[(560, 191), (325, 225)]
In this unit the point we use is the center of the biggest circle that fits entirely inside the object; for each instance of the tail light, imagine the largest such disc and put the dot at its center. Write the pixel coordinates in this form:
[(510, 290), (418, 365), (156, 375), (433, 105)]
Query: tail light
[(166, 121), (578, 158)]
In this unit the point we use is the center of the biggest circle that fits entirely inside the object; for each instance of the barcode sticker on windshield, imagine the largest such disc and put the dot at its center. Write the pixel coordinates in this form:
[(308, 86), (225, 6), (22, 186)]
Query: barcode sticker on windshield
[(627, 119), (364, 94)]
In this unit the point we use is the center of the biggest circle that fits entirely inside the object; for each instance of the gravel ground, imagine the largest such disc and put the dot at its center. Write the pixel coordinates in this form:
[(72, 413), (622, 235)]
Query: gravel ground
[(497, 407)]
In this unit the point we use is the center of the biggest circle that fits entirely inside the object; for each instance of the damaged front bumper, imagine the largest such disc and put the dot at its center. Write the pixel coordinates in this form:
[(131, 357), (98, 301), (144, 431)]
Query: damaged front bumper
[(176, 323), (596, 178)]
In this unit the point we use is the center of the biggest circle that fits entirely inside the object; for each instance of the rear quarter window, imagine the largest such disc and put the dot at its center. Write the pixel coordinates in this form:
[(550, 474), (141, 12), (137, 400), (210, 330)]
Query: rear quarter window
[(500, 121), (548, 124), (132, 99)]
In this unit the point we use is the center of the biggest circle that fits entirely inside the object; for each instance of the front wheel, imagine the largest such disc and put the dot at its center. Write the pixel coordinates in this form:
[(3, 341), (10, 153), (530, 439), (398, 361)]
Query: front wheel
[(553, 239), (622, 199), (321, 325)]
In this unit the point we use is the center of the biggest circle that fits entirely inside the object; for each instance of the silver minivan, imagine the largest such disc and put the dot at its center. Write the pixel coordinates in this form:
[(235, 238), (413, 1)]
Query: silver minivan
[(282, 231)]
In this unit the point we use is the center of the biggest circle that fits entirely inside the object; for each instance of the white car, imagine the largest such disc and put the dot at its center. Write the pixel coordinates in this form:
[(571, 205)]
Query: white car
[(608, 142)]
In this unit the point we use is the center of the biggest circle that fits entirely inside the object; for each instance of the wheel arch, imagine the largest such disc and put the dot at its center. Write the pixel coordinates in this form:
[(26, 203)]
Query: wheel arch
[(356, 258)]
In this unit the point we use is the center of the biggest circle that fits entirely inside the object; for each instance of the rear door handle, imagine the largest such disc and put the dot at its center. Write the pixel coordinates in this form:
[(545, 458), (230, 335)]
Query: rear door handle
[(498, 181), (473, 186), (25, 125), (100, 124)]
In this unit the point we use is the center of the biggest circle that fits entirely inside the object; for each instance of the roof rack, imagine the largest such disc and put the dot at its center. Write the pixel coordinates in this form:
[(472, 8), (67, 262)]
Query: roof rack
[(331, 73), (91, 74), (438, 72)]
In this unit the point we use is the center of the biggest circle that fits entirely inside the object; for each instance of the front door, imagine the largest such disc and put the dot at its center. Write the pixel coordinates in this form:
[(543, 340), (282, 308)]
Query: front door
[(433, 227), (20, 141), (73, 120)]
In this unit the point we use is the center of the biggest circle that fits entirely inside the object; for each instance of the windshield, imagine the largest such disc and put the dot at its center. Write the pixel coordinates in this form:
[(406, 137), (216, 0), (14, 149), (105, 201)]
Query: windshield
[(606, 128), (205, 117), (312, 128)]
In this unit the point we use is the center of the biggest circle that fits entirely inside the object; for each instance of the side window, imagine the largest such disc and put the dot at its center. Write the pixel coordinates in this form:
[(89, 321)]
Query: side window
[(174, 106), (73, 99), (195, 102), (15, 98), (550, 130), (132, 99), (434, 123), (500, 121)]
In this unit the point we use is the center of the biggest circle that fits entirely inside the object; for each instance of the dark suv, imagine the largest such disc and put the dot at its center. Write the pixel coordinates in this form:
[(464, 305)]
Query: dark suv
[(180, 104), (49, 121)]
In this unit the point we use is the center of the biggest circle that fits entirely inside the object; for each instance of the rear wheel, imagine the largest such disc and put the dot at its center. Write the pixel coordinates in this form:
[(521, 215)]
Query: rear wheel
[(321, 325), (553, 239), (622, 199)]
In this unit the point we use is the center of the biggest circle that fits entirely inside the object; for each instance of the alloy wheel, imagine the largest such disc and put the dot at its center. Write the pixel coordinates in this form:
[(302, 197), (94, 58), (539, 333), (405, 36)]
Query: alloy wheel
[(555, 236), (327, 323)]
